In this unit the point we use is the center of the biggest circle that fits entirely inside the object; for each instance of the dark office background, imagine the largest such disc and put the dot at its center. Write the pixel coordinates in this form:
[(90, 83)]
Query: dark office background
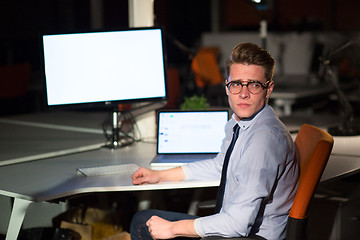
[(21, 22)]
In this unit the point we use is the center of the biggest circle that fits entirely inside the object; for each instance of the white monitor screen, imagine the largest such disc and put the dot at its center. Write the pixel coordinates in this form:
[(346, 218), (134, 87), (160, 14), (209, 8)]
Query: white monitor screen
[(104, 67)]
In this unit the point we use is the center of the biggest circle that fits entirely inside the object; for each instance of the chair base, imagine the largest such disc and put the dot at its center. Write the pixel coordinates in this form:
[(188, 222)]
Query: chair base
[(296, 229)]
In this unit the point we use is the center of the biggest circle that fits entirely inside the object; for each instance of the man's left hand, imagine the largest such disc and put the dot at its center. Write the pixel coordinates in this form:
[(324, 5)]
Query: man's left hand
[(160, 228)]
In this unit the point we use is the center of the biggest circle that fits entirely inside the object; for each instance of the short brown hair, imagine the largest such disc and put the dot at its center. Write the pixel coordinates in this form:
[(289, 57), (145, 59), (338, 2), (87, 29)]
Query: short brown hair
[(251, 54)]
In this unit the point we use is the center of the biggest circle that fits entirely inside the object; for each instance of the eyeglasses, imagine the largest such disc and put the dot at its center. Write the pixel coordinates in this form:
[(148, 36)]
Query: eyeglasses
[(253, 87)]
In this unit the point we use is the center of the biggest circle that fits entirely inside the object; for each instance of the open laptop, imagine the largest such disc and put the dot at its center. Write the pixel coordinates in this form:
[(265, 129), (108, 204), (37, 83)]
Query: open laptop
[(186, 136)]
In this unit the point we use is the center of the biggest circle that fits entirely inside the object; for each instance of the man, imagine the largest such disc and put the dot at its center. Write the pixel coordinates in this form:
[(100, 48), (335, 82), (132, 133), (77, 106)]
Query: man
[(261, 176)]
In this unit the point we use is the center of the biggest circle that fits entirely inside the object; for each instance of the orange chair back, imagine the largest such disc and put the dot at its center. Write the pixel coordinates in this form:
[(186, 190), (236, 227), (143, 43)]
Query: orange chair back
[(313, 148), (205, 67)]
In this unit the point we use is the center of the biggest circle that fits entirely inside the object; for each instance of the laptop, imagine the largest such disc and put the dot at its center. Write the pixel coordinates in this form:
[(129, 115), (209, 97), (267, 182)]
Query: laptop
[(187, 136)]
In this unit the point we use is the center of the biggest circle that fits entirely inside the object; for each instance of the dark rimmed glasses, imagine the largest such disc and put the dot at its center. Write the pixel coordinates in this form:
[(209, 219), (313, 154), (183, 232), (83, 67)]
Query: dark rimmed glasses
[(253, 87)]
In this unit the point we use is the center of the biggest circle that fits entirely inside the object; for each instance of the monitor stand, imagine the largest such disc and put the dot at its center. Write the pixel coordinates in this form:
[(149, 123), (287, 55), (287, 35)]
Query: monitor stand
[(117, 141), (120, 117)]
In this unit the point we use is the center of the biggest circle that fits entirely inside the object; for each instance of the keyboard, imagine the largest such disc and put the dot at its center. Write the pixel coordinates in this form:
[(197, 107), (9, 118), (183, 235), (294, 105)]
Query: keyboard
[(108, 169)]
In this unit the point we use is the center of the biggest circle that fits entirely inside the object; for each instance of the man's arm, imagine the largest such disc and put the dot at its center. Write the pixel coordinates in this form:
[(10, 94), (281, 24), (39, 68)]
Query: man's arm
[(162, 229), (145, 175)]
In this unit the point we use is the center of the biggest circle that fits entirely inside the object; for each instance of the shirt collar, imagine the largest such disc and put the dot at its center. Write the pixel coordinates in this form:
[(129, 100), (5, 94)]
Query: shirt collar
[(247, 122)]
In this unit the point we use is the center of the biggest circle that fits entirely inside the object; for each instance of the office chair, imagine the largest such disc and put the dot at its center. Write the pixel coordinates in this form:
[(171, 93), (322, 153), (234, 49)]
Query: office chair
[(312, 149), (206, 68), (207, 75)]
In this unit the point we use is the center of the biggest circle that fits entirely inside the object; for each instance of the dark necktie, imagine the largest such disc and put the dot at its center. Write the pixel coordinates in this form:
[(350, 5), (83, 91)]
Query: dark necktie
[(221, 189)]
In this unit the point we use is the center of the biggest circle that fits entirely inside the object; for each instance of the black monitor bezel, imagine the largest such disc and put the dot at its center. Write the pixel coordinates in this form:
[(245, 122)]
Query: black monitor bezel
[(101, 104)]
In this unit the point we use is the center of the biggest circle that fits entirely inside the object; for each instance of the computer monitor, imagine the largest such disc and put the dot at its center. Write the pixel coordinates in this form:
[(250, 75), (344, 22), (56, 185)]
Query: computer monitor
[(104, 68)]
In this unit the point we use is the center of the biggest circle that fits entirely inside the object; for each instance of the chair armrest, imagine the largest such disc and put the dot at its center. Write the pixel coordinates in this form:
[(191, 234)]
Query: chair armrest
[(224, 238)]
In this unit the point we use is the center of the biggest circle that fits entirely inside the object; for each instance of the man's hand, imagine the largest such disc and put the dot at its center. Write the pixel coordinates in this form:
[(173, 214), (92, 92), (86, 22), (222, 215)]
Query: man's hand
[(160, 228), (145, 175)]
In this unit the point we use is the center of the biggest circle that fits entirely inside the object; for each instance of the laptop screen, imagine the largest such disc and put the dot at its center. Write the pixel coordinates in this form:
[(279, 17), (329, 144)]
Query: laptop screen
[(191, 131)]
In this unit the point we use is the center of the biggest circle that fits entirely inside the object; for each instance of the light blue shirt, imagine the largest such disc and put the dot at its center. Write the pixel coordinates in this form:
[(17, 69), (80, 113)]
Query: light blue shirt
[(261, 180)]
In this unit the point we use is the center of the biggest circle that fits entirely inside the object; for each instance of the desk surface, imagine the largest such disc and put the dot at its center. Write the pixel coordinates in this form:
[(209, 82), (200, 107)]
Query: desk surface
[(340, 166), (50, 138), (345, 158), (86, 121), (53, 178), (43, 135), (56, 177)]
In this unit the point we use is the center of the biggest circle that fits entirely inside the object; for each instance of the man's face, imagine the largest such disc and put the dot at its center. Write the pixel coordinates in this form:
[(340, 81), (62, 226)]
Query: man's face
[(245, 104)]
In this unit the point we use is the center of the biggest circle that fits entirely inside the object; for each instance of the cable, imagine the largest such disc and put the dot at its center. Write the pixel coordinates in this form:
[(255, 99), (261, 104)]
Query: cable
[(126, 133)]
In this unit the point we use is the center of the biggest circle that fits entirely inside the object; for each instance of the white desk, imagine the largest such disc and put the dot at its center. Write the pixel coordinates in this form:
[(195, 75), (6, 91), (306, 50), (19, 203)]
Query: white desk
[(345, 158), (36, 136), (49, 179), (40, 153), (52, 178)]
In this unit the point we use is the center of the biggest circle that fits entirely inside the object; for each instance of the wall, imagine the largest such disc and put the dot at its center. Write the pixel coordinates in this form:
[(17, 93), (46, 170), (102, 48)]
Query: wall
[(292, 51)]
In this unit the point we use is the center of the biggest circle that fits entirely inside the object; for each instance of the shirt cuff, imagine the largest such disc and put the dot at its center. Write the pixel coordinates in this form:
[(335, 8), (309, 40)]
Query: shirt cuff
[(198, 228), (186, 171)]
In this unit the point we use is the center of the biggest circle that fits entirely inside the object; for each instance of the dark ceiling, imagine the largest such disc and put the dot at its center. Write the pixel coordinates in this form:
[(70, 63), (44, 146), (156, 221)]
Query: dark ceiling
[(21, 21)]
